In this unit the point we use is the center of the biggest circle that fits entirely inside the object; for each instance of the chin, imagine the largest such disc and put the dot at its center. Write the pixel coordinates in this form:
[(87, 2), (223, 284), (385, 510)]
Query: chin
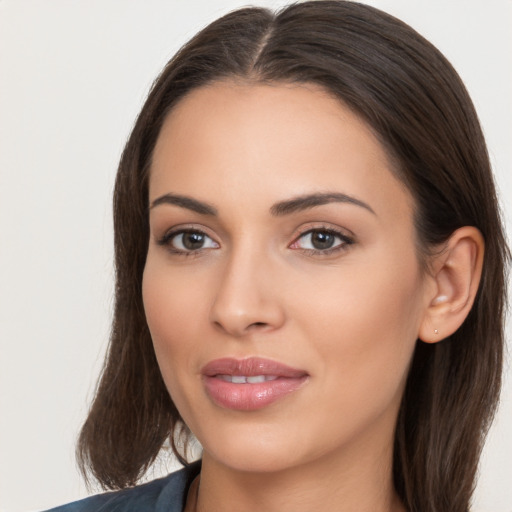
[(253, 460), (252, 448)]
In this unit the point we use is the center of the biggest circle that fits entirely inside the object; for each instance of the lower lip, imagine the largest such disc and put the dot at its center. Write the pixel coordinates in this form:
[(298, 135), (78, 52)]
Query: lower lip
[(250, 397)]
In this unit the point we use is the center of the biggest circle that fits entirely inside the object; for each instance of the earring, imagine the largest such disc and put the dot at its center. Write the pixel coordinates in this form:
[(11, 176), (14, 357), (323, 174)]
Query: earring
[(436, 331)]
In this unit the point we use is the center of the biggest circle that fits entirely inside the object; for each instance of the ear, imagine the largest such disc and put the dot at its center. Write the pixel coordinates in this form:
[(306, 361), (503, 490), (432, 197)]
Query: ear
[(456, 273)]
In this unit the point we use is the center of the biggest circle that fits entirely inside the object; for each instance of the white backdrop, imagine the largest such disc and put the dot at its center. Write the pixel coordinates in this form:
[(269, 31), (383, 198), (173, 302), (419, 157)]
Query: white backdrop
[(73, 75)]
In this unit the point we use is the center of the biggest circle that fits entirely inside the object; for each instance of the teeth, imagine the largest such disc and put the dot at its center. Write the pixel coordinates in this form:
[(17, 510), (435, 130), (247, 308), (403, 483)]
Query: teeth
[(242, 379), (256, 379)]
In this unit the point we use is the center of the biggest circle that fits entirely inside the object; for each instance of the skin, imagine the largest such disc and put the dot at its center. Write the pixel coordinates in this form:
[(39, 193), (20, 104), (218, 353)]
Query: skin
[(350, 317)]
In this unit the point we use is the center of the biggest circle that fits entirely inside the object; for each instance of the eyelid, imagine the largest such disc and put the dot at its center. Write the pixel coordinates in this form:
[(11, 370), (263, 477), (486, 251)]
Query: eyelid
[(186, 227), (323, 226)]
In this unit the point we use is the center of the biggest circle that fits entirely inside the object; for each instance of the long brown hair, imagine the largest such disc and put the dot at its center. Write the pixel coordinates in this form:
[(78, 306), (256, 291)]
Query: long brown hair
[(417, 105)]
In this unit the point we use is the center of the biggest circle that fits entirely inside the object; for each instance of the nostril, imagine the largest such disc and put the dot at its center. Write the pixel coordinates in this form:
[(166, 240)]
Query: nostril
[(257, 324)]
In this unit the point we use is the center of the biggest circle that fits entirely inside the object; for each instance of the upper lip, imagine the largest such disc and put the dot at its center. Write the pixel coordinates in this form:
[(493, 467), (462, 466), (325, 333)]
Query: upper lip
[(251, 366)]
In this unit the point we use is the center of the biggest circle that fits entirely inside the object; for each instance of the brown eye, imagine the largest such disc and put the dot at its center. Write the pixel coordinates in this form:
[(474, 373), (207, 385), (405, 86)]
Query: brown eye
[(321, 240), (188, 241), (193, 240)]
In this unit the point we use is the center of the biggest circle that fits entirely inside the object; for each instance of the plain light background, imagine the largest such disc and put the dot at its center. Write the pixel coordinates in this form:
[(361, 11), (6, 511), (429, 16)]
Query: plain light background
[(73, 75)]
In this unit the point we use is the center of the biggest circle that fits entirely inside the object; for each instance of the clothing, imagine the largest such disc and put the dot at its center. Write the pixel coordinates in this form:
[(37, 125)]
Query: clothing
[(167, 494)]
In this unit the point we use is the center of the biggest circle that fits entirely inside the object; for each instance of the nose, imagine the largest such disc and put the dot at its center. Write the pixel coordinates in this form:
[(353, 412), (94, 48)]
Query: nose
[(247, 298)]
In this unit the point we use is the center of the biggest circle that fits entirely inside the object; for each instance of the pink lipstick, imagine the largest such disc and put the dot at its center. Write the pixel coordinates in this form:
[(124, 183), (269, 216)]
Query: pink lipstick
[(250, 384)]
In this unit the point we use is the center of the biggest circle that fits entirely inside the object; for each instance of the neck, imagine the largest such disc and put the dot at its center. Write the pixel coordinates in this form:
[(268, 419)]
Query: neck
[(331, 483)]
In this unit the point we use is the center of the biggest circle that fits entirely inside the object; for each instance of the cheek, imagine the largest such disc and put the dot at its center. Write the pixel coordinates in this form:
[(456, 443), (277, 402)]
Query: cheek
[(171, 307), (365, 327), (174, 298)]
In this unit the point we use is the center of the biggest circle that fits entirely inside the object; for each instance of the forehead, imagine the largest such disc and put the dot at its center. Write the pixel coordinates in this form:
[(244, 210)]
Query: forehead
[(269, 141)]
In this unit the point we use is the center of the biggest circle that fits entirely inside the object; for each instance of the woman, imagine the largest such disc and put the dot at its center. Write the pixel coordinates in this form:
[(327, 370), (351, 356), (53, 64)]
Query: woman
[(310, 275)]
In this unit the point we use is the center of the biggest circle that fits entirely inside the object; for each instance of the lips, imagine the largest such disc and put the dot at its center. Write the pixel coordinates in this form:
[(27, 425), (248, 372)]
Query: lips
[(250, 384)]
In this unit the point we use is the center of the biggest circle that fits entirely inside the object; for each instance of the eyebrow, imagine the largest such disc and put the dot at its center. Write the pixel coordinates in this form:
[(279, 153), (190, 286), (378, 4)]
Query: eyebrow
[(279, 209), (311, 200), (185, 202)]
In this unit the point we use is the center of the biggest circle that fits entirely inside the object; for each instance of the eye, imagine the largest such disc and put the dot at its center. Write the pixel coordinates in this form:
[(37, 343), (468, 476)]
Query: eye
[(187, 241), (322, 241)]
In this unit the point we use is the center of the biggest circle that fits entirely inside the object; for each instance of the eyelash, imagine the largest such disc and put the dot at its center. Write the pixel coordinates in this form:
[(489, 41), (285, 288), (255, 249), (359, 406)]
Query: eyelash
[(346, 241)]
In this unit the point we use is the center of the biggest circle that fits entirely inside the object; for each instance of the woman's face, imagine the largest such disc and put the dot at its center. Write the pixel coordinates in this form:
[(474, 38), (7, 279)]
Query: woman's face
[(282, 287)]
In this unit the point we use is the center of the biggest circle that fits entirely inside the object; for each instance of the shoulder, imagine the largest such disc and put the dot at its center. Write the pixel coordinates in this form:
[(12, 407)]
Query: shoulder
[(165, 494)]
